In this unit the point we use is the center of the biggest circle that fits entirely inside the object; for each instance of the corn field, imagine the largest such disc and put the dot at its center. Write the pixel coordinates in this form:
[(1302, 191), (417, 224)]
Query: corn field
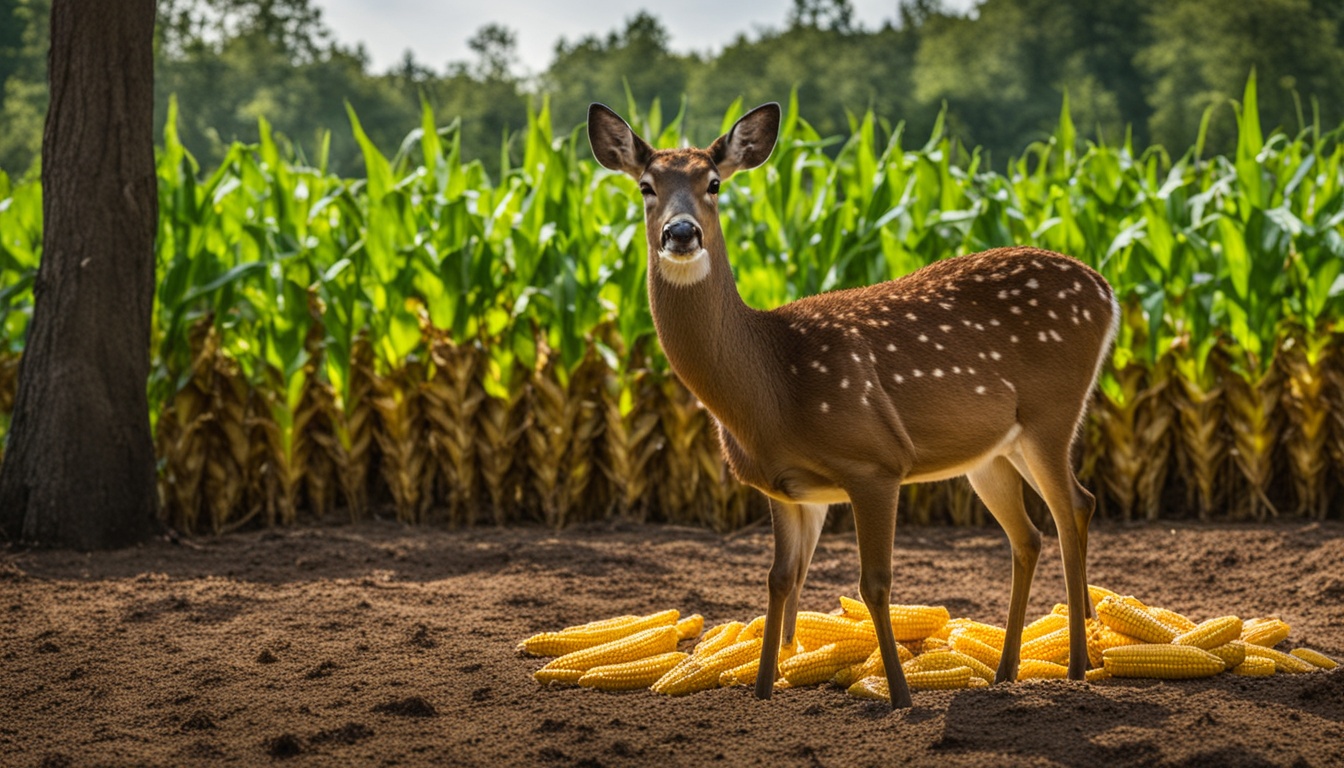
[(449, 342)]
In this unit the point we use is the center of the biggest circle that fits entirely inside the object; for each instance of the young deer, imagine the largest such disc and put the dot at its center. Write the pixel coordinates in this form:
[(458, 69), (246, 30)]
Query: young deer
[(979, 365)]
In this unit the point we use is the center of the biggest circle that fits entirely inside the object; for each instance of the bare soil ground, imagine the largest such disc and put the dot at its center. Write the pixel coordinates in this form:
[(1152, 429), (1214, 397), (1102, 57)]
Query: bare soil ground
[(377, 644)]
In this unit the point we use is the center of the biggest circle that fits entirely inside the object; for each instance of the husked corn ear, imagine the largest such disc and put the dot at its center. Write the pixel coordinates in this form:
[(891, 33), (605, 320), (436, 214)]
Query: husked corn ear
[(1035, 669), (845, 676), (1060, 609), (940, 679), (1044, 626), (742, 674), (933, 645), (584, 636), (1283, 662), (1161, 661), (1255, 666), (978, 682), (1211, 633), (713, 643), (984, 653), (818, 666), (1315, 658), (1052, 647), (873, 665), (1265, 632), (640, 645), (754, 628), (988, 634), (1100, 637), (1171, 618), (1232, 653), (949, 660), (710, 633), (1135, 622), (908, 622), (703, 673), (1097, 594), (690, 627), (559, 676), (640, 673), (1096, 673), (817, 629)]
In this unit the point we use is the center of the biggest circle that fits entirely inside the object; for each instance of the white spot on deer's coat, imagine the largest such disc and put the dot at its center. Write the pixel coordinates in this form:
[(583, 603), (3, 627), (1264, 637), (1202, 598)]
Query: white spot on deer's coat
[(1052, 315), (994, 321), (844, 383), (825, 347), (1015, 310), (956, 369), (1008, 384), (816, 363), (938, 347), (891, 347), (979, 278), (1062, 294), (1032, 284), (1016, 291), (944, 305), (864, 400), (856, 357), (982, 356), (867, 385), (898, 378), (793, 369), (911, 317), (944, 328), (1003, 294), (825, 407), (1013, 338), (971, 371), (1087, 315), (1074, 318), (1055, 335), (980, 390), (994, 354), (979, 327), (1077, 286), (938, 372), (872, 358), (823, 369), (923, 338), (1037, 265), (916, 373), (1041, 335)]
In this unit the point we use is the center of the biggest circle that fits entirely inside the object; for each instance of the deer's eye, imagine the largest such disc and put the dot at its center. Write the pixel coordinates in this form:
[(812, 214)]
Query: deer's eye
[(713, 186), (646, 189)]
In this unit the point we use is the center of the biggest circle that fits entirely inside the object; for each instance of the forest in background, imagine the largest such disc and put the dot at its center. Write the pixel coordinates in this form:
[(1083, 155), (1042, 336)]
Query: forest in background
[(1144, 69)]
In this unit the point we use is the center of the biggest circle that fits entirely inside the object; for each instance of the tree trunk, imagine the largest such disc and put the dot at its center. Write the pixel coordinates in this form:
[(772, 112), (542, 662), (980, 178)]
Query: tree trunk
[(79, 467)]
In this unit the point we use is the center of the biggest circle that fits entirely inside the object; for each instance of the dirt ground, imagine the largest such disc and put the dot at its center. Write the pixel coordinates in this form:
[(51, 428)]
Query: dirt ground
[(377, 644)]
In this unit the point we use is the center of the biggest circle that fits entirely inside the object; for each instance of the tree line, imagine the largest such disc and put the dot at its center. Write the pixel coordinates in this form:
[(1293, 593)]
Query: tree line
[(1146, 70)]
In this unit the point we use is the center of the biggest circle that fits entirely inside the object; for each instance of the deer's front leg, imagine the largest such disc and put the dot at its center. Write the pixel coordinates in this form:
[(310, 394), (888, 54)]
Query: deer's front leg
[(875, 525), (796, 528)]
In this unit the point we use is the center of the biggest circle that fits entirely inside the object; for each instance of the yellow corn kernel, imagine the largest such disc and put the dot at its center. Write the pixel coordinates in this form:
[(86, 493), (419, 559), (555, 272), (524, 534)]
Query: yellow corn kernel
[(1132, 621), (640, 645), (1035, 669), (1171, 618), (559, 676), (743, 674), (817, 629), (1100, 637), (982, 652), (1255, 666), (1283, 662), (1314, 657), (1232, 653), (940, 679), (1211, 633), (1060, 609), (908, 622), (1053, 647), (713, 643), (703, 673), (1161, 661), (1265, 632), (933, 645), (1097, 594), (820, 665), (714, 630), (584, 636), (690, 627), (1096, 673), (630, 675), (1044, 626), (755, 628)]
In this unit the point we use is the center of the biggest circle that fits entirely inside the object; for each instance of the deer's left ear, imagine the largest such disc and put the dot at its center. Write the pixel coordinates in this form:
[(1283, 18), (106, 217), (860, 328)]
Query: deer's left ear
[(749, 142), (614, 144)]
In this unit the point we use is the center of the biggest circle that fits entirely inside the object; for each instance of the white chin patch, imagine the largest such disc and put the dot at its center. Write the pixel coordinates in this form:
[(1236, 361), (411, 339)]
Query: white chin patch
[(678, 269)]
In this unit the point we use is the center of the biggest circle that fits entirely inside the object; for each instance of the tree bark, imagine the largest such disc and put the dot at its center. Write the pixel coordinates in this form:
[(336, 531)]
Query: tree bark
[(79, 467)]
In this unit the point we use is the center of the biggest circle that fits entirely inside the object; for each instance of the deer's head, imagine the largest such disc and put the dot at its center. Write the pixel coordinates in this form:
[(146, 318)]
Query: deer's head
[(681, 186)]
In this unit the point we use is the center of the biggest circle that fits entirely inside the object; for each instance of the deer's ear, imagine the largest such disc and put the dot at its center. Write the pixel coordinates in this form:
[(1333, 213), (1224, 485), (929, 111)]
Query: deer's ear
[(614, 145), (749, 142)]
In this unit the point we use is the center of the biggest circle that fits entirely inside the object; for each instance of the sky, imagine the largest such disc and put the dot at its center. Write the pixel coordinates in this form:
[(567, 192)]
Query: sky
[(437, 30)]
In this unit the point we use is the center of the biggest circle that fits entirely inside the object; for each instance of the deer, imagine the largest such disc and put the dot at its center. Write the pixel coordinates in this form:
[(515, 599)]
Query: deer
[(978, 365)]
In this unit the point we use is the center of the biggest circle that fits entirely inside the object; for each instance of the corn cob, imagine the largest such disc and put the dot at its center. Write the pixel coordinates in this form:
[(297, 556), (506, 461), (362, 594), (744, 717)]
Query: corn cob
[(1135, 622), (1100, 637), (1044, 626), (988, 634), (640, 673), (1060, 609), (874, 665), (559, 676), (908, 622), (1265, 632), (985, 654), (1211, 633), (754, 628), (933, 645), (743, 674), (1232, 653), (584, 636), (872, 687), (940, 679), (1172, 619), (703, 673), (949, 660), (1052, 647), (1283, 662), (690, 626), (817, 629), (1314, 657), (717, 641), (1096, 673), (1036, 669), (640, 645), (1162, 661), (820, 665), (1097, 594), (1255, 666), (710, 633)]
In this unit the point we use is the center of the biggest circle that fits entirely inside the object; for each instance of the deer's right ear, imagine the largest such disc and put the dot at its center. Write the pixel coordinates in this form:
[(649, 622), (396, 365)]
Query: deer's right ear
[(614, 145)]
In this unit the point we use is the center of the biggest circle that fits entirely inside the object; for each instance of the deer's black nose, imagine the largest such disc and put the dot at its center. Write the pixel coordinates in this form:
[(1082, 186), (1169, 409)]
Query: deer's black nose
[(681, 234)]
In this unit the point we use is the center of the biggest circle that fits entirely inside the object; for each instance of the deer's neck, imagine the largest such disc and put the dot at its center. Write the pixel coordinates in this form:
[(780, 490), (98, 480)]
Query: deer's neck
[(717, 345)]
